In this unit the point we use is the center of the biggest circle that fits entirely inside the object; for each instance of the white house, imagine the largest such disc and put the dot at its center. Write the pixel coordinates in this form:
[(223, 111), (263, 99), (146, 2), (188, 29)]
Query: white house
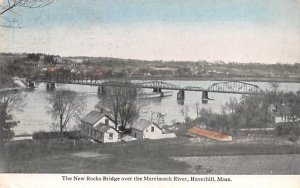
[(100, 127), (96, 118), (145, 129), (272, 112)]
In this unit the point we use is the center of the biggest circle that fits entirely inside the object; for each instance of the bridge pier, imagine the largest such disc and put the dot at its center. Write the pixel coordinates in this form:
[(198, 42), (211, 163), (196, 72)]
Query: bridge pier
[(157, 90), (101, 90), (204, 96), (180, 94), (50, 86)]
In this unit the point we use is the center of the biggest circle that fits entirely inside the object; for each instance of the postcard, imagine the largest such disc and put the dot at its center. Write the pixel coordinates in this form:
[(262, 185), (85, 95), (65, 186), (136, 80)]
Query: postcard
[(149, 93)]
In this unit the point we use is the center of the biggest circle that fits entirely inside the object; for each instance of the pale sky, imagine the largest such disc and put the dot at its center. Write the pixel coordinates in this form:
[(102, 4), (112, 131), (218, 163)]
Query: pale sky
[(265, 31)]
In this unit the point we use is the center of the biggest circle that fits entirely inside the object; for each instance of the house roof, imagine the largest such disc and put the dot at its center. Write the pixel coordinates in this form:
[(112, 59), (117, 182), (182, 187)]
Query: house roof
[(272, 107), (103, 128), (93, 117), (143, 124)]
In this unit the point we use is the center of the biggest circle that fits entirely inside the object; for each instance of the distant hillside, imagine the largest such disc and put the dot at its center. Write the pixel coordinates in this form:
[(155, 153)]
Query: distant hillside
[(133, 68)]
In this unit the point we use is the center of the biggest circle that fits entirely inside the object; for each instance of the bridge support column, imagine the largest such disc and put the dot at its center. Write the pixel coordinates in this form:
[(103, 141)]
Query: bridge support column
[(204, 96), (180, 94), (50, 86), (101, 90), (157, 90)]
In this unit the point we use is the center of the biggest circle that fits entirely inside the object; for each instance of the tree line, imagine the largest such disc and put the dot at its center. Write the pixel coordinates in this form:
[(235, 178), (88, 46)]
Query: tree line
[(255, 111)]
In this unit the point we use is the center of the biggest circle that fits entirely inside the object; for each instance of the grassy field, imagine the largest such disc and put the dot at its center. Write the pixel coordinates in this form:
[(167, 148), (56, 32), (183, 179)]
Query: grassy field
[(138, 157), (283, 164)]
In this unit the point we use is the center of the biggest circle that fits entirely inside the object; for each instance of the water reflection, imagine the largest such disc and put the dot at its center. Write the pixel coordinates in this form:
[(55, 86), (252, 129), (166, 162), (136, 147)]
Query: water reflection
[(180, 102)]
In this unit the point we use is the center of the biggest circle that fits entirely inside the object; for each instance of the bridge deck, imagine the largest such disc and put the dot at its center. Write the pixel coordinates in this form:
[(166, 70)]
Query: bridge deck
[(221, 87)]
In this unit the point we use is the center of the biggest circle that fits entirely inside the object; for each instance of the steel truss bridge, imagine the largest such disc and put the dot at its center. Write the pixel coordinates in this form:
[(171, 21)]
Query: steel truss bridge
[(235, 87)]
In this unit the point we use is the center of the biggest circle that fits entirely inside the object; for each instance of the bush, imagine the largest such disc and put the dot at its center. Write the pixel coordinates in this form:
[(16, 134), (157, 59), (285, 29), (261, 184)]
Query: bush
[(290, 129), (55, 135), (293, 138)]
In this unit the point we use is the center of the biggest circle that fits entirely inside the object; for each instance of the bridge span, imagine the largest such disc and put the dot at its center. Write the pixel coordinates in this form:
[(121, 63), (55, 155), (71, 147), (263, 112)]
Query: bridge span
[(234, 87)]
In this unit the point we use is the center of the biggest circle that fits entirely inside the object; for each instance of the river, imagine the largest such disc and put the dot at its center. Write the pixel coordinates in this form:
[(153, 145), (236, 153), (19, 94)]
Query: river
[(34, 116)]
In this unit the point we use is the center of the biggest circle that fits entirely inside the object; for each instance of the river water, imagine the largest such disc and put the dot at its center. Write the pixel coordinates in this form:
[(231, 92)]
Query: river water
[(34, 116)]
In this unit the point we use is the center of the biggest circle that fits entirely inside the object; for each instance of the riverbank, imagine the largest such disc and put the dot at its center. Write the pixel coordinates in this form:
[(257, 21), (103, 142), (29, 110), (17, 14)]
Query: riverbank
[(137, 157)]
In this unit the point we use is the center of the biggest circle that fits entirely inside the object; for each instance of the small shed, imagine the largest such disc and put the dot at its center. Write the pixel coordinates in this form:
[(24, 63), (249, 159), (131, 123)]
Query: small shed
[(145, 129), (106, 134)]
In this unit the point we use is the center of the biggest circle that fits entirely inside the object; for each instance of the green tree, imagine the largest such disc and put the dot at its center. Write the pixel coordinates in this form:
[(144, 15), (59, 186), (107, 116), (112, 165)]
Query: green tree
[(231, 105), (185, 113), (205, 116), (251, 110), (272, 96), (292, 101), (64, 106), (11, 99), (122, 104)]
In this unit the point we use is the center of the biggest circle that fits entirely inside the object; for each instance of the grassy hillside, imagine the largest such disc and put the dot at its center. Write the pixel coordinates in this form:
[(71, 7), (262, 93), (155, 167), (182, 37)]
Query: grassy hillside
[(148, 156), (30, 64)]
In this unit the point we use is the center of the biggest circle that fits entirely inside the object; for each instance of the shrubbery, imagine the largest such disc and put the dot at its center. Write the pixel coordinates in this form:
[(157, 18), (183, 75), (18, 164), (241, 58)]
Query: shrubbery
[(290, 129), (286, 128), (124, 130), (55, 135)]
